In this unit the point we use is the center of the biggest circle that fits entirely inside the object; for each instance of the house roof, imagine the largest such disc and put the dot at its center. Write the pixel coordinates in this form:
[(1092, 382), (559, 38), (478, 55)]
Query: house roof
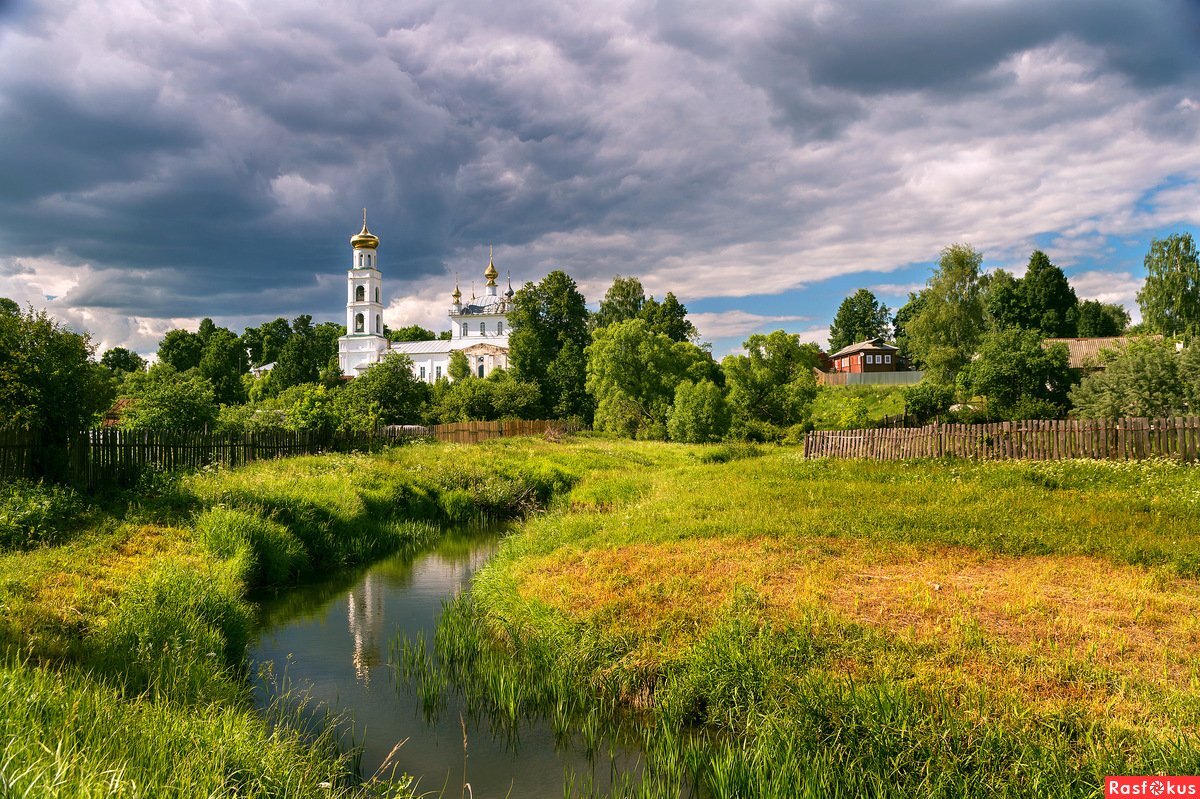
[(1085, 352), (869, 344)]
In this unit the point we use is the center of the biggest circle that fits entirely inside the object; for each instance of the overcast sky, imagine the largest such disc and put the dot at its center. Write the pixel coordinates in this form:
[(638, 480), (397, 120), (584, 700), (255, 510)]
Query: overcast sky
[(165, 161)]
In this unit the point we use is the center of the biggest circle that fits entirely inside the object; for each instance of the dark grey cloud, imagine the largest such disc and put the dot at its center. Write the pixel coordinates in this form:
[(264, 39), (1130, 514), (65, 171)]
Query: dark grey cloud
[(212, 160)]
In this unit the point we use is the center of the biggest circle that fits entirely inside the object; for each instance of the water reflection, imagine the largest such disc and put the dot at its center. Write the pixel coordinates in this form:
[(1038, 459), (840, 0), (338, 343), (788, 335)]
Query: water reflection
[(333, 638)]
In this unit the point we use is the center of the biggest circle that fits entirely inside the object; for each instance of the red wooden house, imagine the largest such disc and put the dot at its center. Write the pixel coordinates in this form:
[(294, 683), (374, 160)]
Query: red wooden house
[(872, 355)]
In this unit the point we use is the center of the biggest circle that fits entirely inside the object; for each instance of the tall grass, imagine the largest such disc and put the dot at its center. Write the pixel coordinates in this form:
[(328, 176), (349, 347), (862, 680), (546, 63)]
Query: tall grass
[(124, 641), (777, 627)]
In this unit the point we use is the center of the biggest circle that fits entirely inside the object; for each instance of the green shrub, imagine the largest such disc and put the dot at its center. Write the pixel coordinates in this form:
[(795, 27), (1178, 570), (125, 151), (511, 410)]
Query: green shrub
[(37, 513), (274, 555)]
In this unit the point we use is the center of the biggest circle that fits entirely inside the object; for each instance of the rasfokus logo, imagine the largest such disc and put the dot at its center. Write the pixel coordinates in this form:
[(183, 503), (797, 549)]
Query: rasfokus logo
[(1151, 786)]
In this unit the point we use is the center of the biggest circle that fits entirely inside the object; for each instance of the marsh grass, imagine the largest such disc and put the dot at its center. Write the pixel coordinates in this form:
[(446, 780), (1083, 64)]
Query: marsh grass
[(776, 627), (124, 636)]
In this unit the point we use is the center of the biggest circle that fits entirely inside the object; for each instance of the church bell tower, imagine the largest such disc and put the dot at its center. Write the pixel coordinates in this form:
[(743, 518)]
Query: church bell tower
[(364, 342)]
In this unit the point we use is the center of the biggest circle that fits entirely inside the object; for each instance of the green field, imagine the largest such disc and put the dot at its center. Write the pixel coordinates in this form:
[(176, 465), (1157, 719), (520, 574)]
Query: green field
[(789, 628), (769, 626)]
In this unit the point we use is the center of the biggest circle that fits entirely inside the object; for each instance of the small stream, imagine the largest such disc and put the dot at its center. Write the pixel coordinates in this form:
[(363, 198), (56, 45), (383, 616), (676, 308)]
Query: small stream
[(331, 640)]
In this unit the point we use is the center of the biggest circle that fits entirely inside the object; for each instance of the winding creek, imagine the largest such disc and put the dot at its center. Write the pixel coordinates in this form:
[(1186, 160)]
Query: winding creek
[(332, 639)]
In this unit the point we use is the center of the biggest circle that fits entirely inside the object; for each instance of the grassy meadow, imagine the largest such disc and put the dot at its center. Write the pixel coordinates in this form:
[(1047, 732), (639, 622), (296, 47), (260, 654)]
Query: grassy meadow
[(125, 619), (760, 624), (781, 627)]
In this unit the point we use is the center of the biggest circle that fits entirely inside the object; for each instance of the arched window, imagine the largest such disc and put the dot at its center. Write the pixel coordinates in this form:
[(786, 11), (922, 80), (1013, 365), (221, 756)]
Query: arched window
[(464, 330), (483, 328), (360, 294), (378, 324), (481, 366), (499, 328), (377, 294), (358, 323)]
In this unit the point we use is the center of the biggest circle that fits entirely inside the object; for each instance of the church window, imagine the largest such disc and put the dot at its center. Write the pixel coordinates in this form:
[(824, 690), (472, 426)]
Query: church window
[(483, 328), (464, 329), (437, 370), (378, 324), (481, 366), (499, 328), (358, 323), (422, 372), (377, 294), (360, 294)]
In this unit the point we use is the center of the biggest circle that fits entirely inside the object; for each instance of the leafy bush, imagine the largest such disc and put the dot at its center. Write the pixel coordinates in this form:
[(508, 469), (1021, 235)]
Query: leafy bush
[(928, 400), (273, 555), (36, 513), (699, 414)]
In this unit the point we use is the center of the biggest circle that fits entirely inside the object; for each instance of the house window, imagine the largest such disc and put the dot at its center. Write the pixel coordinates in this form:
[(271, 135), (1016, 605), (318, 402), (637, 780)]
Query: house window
[(358, 323), (360, 294), (870, 359), (887, 359)]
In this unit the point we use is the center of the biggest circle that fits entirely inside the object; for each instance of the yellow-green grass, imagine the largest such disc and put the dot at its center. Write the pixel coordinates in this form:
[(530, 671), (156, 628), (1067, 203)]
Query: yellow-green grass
[(122, 637), (911, 628), (833, 405)]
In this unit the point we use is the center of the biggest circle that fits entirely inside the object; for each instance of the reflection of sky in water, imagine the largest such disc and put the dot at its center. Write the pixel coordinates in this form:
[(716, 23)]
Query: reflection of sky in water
[(333, 640)]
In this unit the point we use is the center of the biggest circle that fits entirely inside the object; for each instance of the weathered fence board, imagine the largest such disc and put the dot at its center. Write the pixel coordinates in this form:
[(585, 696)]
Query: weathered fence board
[(1036, 439)]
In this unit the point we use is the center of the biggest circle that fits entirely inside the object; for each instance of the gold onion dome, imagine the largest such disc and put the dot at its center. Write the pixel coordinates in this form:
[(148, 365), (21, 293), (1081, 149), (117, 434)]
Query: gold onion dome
[(457, 295), (365, 239), (490, 273)]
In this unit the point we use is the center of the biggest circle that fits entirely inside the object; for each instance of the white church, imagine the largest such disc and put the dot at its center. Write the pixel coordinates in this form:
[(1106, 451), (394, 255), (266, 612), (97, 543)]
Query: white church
[(479, 328)]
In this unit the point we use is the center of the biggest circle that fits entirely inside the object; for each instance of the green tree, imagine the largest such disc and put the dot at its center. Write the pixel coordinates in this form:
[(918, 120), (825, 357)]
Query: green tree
[(633, 372), (1018, 375), (623, 301), (49, 384), (498, 396), (121, 360), (907, 312), (771, 387), (398, 396), (1004, 301), (1170, 297), (944, 334), (1101, 319), (302, 356), (546, 345), (699, 413), (669, 317), (164, 399), (861, 316), (410, 333), (927, 400), (181, 350), (223, 362), (9, 307), (1049, 300), (1147, 377), (265, 342), (459, 367)]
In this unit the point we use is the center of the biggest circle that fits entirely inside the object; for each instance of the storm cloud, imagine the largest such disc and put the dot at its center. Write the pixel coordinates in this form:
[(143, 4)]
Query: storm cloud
[(163, 162)]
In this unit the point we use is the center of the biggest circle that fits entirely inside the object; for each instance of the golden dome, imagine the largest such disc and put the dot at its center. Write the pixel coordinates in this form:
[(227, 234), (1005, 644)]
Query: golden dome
[(365, 240), (457, 295), (490, 273)]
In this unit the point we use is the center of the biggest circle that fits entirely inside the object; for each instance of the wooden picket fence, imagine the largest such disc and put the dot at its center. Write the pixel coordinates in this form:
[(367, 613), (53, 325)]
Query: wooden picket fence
[(110, 456), (474, 432), (1122, 439)]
